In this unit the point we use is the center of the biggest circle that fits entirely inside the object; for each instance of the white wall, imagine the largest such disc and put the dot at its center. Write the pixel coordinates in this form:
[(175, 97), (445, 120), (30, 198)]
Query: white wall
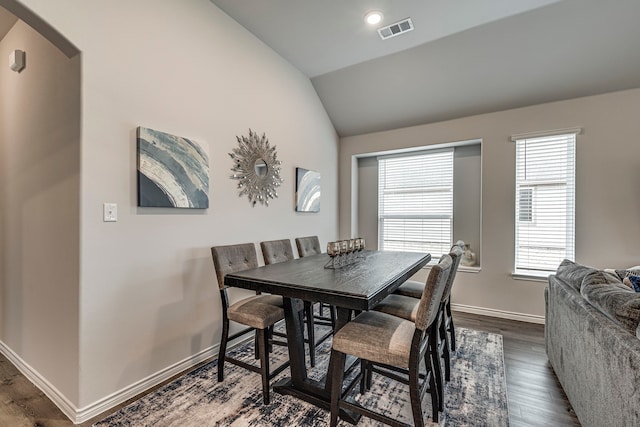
[(148, 296), (607, 185), (39, 205)]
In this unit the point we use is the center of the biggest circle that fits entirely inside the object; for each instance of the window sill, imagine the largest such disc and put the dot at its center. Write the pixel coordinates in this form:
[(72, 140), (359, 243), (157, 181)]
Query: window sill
[(531, 276)]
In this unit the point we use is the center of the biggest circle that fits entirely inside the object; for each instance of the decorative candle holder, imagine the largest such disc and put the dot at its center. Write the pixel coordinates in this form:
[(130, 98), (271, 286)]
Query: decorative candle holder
[(344, 252)]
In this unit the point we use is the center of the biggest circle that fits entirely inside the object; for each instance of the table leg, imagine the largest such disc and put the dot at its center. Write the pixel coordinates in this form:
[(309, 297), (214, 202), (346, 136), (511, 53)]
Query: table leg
[(344, 315), (293, 309), (299, 385)]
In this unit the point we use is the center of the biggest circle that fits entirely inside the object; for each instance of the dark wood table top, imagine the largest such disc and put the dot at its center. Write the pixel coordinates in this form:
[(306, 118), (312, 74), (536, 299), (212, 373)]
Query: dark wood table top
[(358, 286)]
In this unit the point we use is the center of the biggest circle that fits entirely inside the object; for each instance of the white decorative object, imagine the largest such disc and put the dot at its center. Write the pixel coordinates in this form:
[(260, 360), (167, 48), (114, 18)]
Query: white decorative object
[(16, 60), (468, 256)]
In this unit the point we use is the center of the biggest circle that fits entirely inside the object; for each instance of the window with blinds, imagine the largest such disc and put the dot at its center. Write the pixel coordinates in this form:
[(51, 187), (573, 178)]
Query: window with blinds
[(415, 202), (545, 203)]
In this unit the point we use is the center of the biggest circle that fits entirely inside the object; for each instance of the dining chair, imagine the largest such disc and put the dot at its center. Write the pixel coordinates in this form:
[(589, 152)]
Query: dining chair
[(307, 246), (394, 347), (447, 328), (259, 313), (406, 307), (275, 251)]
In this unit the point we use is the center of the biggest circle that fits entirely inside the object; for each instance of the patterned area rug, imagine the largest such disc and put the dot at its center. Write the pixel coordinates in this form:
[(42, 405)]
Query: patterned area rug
[(475, 396)]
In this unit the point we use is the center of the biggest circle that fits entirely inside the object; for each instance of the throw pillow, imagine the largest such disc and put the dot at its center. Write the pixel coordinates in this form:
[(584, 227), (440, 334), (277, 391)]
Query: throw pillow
[(606, 292), (573, 273), (631, 271), (635, 282)]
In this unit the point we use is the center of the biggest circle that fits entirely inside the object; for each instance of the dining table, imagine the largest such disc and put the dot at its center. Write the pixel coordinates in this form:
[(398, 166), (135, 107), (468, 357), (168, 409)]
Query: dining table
[(357, 286)]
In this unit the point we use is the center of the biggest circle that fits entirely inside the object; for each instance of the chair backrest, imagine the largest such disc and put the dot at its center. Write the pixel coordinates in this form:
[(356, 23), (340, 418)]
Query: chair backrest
[(433, 290), (308, 246), (275, 251), (232, 258), (456, 256)]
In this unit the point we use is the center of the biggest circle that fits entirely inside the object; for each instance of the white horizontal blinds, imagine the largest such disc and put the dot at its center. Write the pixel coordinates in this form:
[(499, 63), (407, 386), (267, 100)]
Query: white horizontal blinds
[(545, 202), (415, 202)]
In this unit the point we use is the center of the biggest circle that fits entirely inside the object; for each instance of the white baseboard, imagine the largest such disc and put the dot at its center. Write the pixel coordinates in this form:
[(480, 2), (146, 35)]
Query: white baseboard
[(122, 395), (39, 381), (81, 415), (522, 317)]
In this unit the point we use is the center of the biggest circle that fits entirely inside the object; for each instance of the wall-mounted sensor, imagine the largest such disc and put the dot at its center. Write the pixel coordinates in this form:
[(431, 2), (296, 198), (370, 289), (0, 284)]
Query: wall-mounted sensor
[(16, 60)]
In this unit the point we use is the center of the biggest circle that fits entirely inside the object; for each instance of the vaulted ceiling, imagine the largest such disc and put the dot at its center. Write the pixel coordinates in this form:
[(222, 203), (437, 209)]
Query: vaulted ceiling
[(463, 58), (7, 20)]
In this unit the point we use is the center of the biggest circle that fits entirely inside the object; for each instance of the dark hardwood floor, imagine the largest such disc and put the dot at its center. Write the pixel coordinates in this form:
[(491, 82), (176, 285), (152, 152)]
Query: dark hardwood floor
[(535, 396)]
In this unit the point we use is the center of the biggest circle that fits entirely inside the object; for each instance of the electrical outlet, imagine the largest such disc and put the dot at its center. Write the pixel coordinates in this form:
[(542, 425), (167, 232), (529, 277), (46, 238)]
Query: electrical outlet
[(110, 211)]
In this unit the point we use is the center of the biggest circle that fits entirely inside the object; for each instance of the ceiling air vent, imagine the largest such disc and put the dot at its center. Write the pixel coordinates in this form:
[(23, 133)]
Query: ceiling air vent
[(395, 29)]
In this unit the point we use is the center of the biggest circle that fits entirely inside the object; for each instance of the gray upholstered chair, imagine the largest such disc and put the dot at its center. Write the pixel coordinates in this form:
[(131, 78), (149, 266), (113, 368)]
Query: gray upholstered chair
[(308, 246), (404, 303), (392, 346), (414, 289), (259, 313), (275, 251)]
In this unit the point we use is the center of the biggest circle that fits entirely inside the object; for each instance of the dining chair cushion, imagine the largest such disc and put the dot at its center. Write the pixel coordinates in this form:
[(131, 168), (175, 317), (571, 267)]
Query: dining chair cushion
[(276, 251), (400, 305), (232, 258), (378, 337), (259, 311), (411, 288), (308, 246)]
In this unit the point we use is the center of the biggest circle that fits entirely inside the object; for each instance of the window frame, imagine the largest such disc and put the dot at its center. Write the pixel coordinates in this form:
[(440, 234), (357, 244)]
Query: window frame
[(524, 271), (450, 151)]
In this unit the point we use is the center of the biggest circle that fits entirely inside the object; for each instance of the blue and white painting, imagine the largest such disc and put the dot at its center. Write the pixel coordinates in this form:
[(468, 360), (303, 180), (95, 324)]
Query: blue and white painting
[(307, 190), (173, 171)]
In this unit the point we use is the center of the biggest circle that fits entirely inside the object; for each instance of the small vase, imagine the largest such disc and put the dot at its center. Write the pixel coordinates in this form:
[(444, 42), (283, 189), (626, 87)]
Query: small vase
[(468, 256)]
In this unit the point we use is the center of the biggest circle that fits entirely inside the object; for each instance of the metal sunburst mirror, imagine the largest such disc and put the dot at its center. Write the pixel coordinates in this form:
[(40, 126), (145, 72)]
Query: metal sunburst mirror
[(256, 168)]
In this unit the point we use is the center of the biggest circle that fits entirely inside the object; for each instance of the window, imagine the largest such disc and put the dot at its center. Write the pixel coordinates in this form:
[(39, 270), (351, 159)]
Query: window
[(545, 203), (415, 202)]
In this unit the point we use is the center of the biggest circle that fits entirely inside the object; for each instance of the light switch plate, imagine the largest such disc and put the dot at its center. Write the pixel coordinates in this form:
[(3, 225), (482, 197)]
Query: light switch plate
[(110, 211)]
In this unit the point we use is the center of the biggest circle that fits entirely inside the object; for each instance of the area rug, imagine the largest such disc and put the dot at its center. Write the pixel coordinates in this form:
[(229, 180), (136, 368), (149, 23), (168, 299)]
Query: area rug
[(475, 396)]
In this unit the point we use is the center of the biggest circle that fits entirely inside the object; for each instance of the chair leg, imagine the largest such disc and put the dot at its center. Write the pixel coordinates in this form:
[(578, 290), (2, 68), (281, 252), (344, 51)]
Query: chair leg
[(223, 348), (436, 398), (446, 355), (450, 326), (256, 339), (333, 315), (435, 357), (414, 394), (363, 376), (308, 311), (336, 386), (263, 339)]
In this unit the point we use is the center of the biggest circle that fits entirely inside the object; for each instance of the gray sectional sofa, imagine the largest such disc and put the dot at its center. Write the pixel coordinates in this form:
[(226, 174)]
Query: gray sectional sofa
[(592, 340)]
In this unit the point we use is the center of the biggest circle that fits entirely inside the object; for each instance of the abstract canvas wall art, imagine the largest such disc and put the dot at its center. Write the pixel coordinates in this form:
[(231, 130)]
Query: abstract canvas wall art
[(172, 171), (307, 190)]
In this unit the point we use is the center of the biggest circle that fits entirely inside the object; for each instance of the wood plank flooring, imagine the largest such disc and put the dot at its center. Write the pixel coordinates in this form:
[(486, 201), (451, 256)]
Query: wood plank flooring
[(535, 396)]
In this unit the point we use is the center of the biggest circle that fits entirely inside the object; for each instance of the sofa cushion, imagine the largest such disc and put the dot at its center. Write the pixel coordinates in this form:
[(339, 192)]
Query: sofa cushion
[(606, 292), (632, 271), (573, 273)]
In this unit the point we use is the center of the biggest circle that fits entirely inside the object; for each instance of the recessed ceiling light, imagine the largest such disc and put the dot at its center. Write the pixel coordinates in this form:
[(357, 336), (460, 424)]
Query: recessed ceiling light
[(374, 17)]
